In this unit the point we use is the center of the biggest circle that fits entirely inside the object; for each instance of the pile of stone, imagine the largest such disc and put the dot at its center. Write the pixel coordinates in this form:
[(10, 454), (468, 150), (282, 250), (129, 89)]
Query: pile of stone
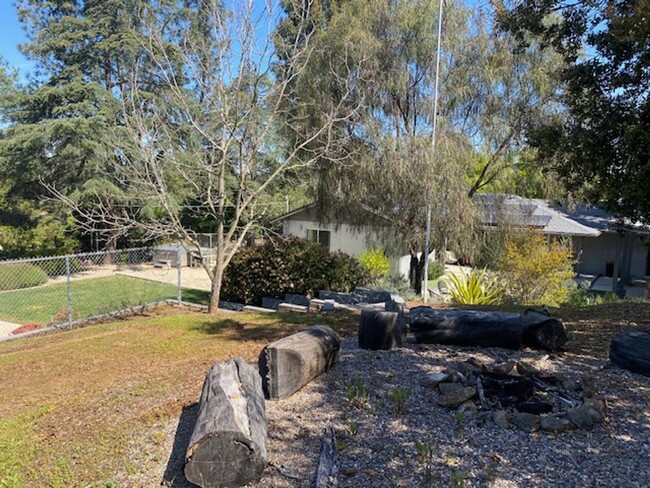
[(516, 393), (360, 298)]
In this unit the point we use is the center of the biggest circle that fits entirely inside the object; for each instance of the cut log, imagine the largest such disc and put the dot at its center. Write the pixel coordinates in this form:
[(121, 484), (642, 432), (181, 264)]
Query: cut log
[(380, 330), (228, 444), (541, 331), (630, 349), (487, 328), (328, 461), (290, 363)]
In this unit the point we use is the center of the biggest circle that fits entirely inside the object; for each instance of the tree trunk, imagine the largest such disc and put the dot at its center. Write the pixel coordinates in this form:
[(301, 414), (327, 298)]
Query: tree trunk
[(487, 328), (215, 289), (290, 363), (380, 330), (228, 444), (415, 272)]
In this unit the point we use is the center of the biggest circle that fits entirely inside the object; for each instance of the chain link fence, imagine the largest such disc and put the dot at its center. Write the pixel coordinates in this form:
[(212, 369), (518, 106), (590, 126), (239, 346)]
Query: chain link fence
[(63, 289)]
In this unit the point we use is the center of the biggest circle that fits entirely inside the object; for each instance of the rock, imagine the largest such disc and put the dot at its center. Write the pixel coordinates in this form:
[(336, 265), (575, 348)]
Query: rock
[(468, 409), (570, 384), (504, 368), (449, 388), (501, 418), (433, 379), (465, 368), (484, 417), (526, 421), (588, 385), (551, 423), (292, 308), (457, 397), (525, 369), (587, 415), (271, 302), (295, 299)]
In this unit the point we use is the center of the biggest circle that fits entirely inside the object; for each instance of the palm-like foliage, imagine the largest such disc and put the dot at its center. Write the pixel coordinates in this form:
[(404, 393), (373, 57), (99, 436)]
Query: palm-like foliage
[(474, 288)]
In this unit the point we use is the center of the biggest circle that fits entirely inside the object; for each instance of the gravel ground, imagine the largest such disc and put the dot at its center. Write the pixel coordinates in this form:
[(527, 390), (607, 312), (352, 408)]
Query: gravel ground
[(426, 445)]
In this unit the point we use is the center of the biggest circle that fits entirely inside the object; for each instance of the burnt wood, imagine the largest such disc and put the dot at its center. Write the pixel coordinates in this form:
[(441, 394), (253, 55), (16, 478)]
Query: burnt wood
[(290, 363), (630, 349), (329, 461), (228, 444), (381, 330), (487, 328)]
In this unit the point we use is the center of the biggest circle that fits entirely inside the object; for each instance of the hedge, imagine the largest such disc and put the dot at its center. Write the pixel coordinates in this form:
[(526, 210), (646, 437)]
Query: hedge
[(288, 266)]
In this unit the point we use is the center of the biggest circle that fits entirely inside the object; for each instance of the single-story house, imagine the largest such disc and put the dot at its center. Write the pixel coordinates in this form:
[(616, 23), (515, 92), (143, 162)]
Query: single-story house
[(605, 248)]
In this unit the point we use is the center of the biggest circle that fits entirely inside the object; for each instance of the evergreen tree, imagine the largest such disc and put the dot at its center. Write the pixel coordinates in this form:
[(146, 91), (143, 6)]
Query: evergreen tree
[(602, 144)]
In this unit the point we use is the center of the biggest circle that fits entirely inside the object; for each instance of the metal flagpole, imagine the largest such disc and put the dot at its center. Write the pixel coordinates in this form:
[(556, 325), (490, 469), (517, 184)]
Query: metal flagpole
[(427, 231)]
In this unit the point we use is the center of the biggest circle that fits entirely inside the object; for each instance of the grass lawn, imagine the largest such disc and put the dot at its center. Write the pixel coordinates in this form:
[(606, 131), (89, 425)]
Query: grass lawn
[(78, 406), (89, 297)]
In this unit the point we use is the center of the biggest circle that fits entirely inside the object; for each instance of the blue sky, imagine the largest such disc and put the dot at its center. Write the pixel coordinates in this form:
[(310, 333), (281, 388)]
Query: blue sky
[(11, 34)]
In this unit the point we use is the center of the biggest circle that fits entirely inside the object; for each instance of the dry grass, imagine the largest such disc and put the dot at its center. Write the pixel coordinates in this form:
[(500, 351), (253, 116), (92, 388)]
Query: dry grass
[(75, 404)]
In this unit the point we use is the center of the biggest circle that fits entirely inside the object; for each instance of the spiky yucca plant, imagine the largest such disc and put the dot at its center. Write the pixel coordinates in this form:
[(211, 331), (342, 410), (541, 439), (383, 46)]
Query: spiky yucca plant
[(474, 288)]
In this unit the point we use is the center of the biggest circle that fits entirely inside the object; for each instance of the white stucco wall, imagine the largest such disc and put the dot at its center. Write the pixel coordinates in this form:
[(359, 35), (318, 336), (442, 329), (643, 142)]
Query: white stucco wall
[(597, 251), (342, 237)]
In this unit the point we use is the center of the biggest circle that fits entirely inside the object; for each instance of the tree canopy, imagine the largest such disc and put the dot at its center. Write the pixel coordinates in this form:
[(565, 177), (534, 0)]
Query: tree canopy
[(601, 143)]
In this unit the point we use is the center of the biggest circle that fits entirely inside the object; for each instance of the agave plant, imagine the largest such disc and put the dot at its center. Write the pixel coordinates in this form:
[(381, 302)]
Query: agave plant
[(474, 288)]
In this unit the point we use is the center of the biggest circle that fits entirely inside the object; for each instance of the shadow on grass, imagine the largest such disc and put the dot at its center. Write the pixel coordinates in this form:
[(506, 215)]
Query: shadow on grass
[(174, 476), (255, 327), (200, 297)]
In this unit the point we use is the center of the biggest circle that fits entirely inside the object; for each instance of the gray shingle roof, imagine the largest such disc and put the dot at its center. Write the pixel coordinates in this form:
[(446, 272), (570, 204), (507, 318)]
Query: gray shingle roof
[(531, 212)]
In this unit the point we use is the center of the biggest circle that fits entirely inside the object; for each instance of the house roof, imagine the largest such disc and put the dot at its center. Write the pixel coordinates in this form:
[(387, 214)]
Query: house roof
[(293, 212), (531, 212), (603, 221), (536, 213)]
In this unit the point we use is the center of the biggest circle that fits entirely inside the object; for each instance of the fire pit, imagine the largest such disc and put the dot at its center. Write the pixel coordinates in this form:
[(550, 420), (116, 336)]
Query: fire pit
[(516, 393)]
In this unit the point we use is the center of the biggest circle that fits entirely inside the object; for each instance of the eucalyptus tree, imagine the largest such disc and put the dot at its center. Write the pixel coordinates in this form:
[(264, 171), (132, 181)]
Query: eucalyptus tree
[(489, 92)]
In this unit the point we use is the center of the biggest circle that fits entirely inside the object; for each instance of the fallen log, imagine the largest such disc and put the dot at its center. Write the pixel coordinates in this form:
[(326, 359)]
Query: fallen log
[(228, 444), (380, 330), (630, 349), (290, 363), (487, 328)]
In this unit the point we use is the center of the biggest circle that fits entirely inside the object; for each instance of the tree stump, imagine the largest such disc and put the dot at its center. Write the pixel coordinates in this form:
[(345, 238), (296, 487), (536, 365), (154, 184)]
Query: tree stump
[(228, 444), (486, 328), (380, 330), (630, 349), (290, 363)]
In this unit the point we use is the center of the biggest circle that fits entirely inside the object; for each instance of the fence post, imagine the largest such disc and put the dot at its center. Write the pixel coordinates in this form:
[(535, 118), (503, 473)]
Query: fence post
[(178, 262), (68, 288)]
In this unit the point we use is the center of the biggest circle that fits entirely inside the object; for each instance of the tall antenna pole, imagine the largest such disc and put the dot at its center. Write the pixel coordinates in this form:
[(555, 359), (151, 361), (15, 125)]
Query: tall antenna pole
[(427, 231)]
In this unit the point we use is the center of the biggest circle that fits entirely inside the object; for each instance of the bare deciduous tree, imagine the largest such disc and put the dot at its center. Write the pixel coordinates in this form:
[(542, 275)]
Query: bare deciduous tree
[(210, 143)]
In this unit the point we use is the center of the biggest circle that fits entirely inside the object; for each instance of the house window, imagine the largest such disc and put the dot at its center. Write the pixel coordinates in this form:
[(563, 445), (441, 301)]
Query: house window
[(320, 236)]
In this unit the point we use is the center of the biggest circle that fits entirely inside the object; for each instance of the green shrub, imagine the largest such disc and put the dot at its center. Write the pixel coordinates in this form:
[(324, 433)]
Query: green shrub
[(375, 262), (289, 266), (534, 271), (474, 288), (436, 269), (14, 276)]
